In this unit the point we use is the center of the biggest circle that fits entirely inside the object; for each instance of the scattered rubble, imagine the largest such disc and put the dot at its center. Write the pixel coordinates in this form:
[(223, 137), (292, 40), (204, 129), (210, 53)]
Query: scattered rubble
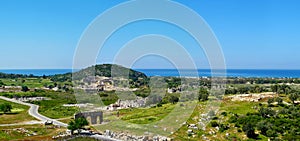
[(127, 137), (26, 99), (251, 97), (124, 104), (22, 131)]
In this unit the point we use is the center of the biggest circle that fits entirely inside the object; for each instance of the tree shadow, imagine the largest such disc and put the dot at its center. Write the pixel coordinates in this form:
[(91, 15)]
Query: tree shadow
[(11, 113)]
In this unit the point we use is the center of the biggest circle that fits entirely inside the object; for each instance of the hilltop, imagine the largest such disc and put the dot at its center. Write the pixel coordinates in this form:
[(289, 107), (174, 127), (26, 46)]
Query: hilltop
[(135, 77)]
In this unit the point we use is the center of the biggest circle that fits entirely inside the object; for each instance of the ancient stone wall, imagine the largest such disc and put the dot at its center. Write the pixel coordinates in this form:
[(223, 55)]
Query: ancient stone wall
[(93, 115)]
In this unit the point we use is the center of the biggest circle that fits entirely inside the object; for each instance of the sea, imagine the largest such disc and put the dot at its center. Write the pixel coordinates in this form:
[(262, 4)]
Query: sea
[(176, 73)]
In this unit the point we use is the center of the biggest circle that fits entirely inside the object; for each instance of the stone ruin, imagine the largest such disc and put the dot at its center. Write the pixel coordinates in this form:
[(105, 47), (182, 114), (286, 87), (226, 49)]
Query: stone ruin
[(124, 104), (252, 97), (94, 116)]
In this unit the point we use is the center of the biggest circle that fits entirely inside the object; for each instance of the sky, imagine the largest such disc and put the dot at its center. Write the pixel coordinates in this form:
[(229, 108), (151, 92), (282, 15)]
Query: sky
[(253, 34)]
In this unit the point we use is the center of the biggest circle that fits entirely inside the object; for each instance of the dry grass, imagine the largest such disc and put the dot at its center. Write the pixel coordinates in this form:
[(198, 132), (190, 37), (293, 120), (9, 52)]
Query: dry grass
[(43, 133)]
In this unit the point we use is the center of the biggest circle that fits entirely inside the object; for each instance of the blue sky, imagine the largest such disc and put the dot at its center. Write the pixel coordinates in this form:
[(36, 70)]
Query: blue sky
[(254, 34)]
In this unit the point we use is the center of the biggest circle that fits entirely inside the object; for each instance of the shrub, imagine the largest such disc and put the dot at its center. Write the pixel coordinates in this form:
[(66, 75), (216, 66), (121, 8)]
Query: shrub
[(214, 124), (5, 107), (249, 130), (25, 88), (223, 127), (224, 114)]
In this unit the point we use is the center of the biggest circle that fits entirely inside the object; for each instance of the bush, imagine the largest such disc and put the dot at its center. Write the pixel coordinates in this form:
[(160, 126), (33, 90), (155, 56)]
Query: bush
[(249, 130), (279, 101), (1, 83), (224, 114), (103, 94), (5, 107), (233, 119), (270, 101), (214, 124), (223, 127), (158, 105), (271, 133), (263, 126), (215, 118), (203, 94), (25, 88)]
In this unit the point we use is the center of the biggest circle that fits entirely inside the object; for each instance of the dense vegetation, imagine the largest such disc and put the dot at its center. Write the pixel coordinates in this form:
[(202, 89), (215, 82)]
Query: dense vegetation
[(238, 80), (14, 76), (279, 122)]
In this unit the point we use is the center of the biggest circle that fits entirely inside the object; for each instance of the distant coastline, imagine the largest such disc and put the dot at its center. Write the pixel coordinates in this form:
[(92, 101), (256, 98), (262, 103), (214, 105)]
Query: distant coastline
[(36, 72), (271, 73)]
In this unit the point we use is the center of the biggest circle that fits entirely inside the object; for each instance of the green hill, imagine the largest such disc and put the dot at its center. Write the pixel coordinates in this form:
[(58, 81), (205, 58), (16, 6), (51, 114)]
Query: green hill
[(136, 78)]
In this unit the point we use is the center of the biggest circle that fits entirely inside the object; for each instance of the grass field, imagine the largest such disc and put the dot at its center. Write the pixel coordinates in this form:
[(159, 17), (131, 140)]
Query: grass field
[(158, 120), (18, 114), (136, 120), (30, 82), (145, 116), (51, 108), (238, 107), (55, 109), (66, 120)]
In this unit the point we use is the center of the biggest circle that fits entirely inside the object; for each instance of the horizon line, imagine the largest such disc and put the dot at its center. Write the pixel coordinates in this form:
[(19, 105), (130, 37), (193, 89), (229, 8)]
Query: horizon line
[(157, 69)]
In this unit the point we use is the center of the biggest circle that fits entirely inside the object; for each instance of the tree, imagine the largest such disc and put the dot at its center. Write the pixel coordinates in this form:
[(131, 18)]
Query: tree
[(279, 100), (72, 126), (203, 94), (285, 88), (270, 101), (55, 84), (77, 124), (271, 133), (1, 83), (263, 126), (249, 130), (223, 127), (214, 124), (243, 90), (25, 88), (5, 107), (81, 122), (266, 112), (173, 99), (293, 97), (274, 88)]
